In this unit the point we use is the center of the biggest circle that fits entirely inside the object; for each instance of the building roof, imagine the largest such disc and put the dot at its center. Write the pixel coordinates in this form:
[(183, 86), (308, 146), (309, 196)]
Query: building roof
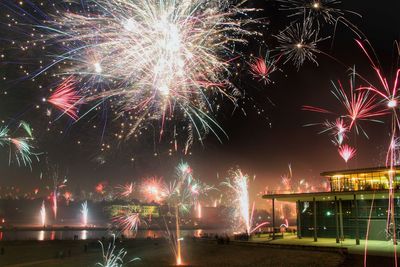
[(373, 169), (330, 196)]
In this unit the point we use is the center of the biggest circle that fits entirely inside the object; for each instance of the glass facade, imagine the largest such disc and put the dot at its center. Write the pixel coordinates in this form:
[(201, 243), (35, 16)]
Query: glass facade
[(326, 218), (374, 180)]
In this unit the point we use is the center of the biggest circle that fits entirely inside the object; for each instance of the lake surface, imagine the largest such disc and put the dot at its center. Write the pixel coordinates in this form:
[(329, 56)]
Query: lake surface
[(95, 234)]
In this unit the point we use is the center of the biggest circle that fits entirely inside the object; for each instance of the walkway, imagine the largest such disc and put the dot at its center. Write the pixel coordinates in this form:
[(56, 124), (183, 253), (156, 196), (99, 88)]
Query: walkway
[(375, 247)]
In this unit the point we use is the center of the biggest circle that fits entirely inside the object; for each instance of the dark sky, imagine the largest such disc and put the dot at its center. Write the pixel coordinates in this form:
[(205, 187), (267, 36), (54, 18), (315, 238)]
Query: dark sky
[(260, 146)]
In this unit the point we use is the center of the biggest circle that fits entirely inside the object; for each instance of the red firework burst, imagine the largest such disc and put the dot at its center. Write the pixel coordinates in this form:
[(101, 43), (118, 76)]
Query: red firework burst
[(66, 98)]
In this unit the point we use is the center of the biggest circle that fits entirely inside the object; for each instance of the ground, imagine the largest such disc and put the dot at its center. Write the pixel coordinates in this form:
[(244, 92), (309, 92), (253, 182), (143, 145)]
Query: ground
[(158, 253)]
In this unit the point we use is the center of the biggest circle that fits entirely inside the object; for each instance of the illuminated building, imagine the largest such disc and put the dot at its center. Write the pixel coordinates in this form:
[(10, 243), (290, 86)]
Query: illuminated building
[(356, 198)]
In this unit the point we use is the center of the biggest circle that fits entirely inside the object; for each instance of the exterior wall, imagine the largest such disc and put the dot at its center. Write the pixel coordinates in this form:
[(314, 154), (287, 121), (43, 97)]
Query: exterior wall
[(326, 218)]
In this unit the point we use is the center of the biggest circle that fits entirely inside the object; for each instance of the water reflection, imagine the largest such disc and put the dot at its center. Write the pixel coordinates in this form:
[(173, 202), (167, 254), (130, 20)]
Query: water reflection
[(95, 234), (41, 235), (84, 234), (53, 235)]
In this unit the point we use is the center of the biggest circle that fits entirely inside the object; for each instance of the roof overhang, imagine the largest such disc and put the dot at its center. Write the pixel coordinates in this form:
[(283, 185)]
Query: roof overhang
[(329, 196), (353, 171)]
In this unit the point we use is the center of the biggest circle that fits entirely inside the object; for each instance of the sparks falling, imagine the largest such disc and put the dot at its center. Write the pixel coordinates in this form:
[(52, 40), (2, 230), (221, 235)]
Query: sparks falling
[(43, 214), (158, 62)]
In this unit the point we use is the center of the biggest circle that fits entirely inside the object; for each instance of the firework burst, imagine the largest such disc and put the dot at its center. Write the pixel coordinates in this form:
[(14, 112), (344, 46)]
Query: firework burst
[(298, 43), (127, 220), (347, 152), (20, 147), (126, 190), (155, 62), (359, 105), (327, 11), (261, 68), (153, 189), (65, 98)]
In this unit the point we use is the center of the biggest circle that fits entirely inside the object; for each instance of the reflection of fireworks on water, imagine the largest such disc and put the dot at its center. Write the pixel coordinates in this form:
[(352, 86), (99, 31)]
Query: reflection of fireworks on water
[(298, 43), (84, 213), (346, 152), (154, 61), (20, 147), (43, 214), (111, 257)]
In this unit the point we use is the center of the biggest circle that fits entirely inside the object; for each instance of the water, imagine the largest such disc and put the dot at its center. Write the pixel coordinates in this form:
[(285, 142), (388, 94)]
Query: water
[(94, 234)]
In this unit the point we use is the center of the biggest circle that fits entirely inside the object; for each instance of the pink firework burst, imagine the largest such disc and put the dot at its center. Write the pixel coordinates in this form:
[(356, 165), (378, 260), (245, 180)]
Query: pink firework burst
[(66, 98), (388, 92), (359, 105), (126, 190), (261, 68), (338, 129), (347, 152)]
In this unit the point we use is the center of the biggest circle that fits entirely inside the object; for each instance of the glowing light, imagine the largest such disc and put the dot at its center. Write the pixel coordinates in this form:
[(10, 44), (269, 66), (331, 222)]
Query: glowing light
[(84, 213), (392, 103), (54, 201), (97, 67), (43, 214)]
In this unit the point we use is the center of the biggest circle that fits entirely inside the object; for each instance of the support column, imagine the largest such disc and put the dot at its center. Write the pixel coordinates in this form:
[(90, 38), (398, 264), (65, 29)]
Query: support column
[(356, 221), (315, 219), (298, 220), (337, 220), (341, 220), (273, 218)]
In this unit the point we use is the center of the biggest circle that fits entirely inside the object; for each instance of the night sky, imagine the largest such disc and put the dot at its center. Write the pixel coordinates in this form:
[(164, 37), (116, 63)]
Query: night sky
[(261, 145)]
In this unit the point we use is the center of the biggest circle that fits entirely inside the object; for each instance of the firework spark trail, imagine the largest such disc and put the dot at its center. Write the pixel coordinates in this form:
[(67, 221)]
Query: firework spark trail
[(389, 95), (84, 213), (347, 152), (239, 184), (43, 214), (111, 257), (156, 61), (368, 227), (182, 194), (65, 98)]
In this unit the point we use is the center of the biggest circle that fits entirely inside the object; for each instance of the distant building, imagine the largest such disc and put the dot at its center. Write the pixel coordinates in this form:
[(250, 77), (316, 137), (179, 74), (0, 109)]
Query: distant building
[(357, 198), (143, 210)]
